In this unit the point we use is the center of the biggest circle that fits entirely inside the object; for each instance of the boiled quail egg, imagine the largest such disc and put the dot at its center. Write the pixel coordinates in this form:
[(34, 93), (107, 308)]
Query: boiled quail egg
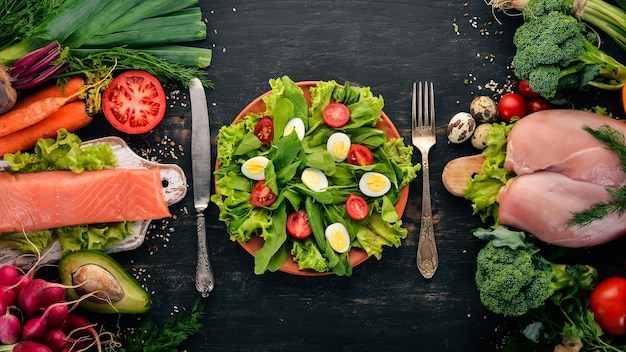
[(338, 145), (374, 184), (314, 179), (254, 168), (295, 125), (338, 237), (461, 127)]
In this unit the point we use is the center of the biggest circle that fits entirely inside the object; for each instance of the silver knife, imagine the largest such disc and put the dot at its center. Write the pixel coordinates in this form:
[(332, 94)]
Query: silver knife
[(201, 176)]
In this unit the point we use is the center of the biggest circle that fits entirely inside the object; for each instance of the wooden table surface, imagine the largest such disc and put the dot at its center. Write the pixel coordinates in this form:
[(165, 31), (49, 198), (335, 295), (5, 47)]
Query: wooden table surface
[(385, 305)]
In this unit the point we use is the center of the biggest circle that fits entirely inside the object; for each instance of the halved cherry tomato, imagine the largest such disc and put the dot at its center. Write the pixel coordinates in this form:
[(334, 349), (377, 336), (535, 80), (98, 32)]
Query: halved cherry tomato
[(608, 304), (262, 195), (525, 90), (360, 155), (134, 102), (264, 130), (336, 115), (298, 224), (538, 104), (357, 207), (511, 105)]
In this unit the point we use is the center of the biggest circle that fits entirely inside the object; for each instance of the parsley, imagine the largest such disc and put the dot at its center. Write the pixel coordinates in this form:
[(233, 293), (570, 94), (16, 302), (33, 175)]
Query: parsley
[(614, 141), (149, 338)]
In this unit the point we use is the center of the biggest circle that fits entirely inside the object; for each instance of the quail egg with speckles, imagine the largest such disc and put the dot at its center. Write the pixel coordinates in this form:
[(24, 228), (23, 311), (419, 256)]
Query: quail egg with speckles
[(461, 127), (314, 179), (338, 146), (374, 184), (254, 168), (479, 138)]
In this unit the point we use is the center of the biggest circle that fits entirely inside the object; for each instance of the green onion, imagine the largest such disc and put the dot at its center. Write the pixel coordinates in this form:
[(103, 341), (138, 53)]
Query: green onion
[(146, 9), (165, 34)]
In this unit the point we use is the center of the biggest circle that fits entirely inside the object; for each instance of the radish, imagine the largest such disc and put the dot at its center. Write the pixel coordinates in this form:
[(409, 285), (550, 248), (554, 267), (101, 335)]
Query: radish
[(37, 295), (75, 323), (34, 328), (57, 341), (10, 329), (8, 275), (8, 296), (56, 315), (30, 346)]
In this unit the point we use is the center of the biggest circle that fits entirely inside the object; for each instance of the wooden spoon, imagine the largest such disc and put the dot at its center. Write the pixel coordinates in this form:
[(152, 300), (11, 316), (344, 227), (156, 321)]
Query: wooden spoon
[(458, 172)]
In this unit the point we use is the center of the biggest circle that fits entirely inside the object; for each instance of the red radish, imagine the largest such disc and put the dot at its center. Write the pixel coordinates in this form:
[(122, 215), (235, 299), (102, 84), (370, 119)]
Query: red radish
[(56, 314), (21, 281), (8, 295), (8, 275), (10, 329), (54, 294), (34, 328), (37, 295), (57, 341), (30, 346), (75, 323)]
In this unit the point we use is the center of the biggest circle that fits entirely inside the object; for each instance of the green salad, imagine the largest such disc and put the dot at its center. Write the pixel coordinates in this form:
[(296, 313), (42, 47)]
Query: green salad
[(301, 175)]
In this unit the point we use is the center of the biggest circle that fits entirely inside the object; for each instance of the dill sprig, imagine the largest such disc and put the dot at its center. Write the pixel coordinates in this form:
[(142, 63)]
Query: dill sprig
[(614, 141), (175, 330)]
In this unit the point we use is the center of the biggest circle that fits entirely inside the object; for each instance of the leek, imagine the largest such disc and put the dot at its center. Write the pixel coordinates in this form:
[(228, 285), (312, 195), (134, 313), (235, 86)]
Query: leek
[(146, 9)]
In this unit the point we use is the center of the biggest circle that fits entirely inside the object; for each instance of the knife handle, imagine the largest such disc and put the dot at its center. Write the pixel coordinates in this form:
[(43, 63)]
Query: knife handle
[(204, 273)]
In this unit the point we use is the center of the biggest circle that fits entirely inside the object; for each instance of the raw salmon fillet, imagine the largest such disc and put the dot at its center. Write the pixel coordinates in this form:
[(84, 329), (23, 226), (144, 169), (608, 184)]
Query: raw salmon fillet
[(44, 200)]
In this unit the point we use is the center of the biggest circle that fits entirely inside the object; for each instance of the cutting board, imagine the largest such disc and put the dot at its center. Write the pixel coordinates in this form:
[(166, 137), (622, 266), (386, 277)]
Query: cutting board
[(458, 172)]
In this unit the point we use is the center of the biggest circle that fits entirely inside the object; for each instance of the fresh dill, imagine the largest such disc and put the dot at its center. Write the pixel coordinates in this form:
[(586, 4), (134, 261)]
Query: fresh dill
[(19, 18), (614, 141), (175, 330)]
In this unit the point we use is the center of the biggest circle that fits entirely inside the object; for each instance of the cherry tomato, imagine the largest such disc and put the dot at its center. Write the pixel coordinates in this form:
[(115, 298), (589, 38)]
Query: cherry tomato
[(298, 224), (360, 155), (525, 90), (134, 102), (511, 105), (262, 195), (538, 104), (336, 115), (608, 304), (357, 207), (264, 130)]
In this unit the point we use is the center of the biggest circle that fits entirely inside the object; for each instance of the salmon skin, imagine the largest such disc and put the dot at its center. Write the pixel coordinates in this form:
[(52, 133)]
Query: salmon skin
[(43, 200)]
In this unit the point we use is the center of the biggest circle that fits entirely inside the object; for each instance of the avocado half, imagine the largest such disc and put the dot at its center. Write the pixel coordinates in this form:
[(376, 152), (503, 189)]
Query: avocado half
[(112, 288)]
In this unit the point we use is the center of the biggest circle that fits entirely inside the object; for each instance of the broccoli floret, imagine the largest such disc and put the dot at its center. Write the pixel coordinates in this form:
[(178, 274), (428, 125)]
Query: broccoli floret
[(513, 278), (556, 39)]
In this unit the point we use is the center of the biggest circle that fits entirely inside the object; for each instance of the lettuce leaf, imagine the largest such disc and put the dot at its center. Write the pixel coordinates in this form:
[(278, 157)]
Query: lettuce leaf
[(308, 256)]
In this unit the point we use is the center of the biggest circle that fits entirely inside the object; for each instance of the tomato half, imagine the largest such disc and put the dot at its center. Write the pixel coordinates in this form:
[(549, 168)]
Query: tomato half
[(525, 90), (608, 304), (360, 155), (336, 115), (512, 105), (538, 104), (298, 224), (262, 195), (134, 102), (357, 207), (264, 130)]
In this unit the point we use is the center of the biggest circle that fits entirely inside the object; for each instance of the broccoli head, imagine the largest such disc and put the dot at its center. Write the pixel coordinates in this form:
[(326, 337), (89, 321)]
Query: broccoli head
[(513, 278)]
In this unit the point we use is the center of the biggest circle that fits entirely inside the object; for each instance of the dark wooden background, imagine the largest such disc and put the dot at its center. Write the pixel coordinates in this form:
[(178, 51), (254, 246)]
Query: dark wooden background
[(386, 305)]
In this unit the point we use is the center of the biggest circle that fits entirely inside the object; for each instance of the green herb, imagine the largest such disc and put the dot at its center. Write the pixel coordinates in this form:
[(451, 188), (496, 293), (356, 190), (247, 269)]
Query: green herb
[(175, 330), (19, 17), (614, 141)]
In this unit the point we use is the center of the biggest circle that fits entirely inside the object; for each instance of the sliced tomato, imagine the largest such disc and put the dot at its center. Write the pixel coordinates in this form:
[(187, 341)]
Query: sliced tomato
[(360, 155), (134, 102), (264, 130), (262, 195), (336, 115), (357, 207), (298, 224)]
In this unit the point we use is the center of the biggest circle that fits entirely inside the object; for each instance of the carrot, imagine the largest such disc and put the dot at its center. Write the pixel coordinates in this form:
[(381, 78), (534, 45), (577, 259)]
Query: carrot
[(72, 117), (18, 119), (69, 89)]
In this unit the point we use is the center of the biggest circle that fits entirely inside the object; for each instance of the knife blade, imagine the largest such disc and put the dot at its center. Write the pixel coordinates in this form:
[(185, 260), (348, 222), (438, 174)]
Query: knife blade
[(201, 180)]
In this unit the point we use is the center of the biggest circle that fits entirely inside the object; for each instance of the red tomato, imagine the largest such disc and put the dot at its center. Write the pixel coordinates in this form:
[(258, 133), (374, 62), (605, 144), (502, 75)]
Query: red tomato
[(608, 304), (357, 207), (538, 104), (298, 224), (134, 102), (525, 90), (264, 130), (262, 195), (360, 155), (336, 115), (511, 105)]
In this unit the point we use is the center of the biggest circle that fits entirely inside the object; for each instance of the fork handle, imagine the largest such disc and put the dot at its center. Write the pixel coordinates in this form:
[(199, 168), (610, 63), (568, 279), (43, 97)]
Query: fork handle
[(427, 258)]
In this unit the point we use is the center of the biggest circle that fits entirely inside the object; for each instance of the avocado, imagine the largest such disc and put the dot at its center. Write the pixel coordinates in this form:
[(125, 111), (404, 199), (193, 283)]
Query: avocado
[(112, 289)]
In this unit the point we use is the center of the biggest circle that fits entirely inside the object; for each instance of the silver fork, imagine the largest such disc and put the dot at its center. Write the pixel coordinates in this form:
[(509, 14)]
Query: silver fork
[(423, 137)]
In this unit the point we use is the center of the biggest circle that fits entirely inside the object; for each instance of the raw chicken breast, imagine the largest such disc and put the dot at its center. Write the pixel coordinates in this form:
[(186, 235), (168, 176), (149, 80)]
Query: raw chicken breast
[(44, 200), (554, 140), (542, 204)]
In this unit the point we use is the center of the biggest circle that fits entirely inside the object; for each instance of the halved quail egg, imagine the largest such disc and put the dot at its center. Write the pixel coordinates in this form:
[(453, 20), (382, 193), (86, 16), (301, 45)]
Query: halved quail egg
[(314, 179), (295, 125), (374, 184), (338, 146), (254, 168), (338, 237)]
